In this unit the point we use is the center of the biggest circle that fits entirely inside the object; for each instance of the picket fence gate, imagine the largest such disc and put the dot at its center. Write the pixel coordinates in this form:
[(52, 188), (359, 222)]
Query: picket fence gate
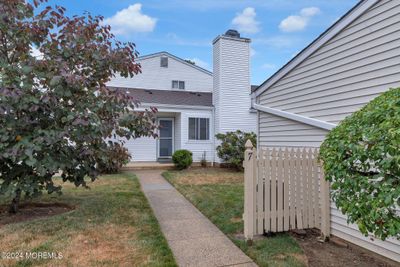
[(285, 190)]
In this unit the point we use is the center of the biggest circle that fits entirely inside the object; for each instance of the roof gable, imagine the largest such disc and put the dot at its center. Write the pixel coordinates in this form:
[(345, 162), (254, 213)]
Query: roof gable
[(332, 31), (163, 53)]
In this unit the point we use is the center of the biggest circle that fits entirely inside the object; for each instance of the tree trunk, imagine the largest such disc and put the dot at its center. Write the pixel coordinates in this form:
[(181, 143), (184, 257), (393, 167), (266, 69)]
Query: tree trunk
[(15, 202)]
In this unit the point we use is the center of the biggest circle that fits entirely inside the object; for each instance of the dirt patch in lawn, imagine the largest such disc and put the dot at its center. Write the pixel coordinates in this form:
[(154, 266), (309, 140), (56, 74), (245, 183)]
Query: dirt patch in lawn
[(203, 176), (30, 211), (337, 252)]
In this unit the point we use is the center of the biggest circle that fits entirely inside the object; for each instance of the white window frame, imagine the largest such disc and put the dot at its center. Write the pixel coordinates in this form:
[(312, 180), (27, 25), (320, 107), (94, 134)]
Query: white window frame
[(178, 84), (161, 60), (198, 128)]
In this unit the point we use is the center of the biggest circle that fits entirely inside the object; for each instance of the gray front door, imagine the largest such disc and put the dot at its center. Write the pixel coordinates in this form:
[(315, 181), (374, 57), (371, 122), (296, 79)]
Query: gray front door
[(166, 137)]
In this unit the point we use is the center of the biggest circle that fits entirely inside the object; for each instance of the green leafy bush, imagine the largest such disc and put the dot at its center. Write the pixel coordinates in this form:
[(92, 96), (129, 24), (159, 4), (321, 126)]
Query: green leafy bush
[(362, 160), (231, 150), (114, 158), (182, 159)]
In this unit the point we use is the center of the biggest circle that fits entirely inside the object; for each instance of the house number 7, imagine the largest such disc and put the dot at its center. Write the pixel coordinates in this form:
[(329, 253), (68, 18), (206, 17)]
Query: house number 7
[(250, 155)]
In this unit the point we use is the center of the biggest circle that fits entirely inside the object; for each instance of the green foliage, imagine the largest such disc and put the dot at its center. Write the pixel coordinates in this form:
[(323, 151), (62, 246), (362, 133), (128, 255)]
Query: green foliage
[(362, 160), (114, 159), (182, 159), (231, 150), (56, 112)]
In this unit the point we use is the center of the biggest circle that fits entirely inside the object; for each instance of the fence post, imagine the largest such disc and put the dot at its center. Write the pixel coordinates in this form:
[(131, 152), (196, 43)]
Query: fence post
[(325, 208), (249, 215)]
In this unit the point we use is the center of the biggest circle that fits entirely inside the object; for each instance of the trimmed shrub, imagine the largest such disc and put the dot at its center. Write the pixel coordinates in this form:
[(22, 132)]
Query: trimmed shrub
[(182, 159), (362, 160), (231, 150), (114, 159)]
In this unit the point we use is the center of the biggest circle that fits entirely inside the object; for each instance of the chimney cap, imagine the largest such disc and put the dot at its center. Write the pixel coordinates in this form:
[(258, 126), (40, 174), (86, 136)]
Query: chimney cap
[(232, 33)]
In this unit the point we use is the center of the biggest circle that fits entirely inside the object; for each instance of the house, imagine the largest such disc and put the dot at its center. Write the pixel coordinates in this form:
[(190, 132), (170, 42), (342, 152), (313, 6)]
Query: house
[(343, 69), (193, 104)]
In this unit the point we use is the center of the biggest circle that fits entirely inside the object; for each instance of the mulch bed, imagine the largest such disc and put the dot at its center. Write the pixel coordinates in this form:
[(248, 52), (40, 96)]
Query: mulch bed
[(337, 252), (30, 211)]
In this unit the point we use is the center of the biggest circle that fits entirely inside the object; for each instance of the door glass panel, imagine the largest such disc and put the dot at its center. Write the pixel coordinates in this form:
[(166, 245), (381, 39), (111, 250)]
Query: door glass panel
[(165, 147), (165, 128)]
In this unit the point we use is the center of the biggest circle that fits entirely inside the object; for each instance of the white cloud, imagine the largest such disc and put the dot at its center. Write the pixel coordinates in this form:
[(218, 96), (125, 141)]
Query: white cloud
[(200, 63), (246, 22), (310, 11), (131, 20), (268, 66), (295, 23)]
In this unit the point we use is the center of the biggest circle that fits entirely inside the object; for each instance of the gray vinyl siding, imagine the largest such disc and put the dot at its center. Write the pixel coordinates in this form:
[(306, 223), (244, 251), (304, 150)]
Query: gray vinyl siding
[(351, 69)]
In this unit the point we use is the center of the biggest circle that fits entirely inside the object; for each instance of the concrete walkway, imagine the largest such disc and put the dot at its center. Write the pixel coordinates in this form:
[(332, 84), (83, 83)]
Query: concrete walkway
[(193, 239)]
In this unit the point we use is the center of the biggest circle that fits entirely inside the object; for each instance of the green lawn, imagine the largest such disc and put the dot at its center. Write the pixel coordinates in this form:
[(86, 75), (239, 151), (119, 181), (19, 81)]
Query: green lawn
[(112, 225), (218, 194)]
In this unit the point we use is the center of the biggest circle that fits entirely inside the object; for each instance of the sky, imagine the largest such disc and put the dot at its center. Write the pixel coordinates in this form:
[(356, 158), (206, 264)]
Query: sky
[(279, 29)]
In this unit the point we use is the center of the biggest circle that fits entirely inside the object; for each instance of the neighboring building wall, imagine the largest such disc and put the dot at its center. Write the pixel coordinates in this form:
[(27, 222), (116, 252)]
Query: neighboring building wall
[(145, 149), (197, 147), (354, 67), (155, 77), (142, 149)]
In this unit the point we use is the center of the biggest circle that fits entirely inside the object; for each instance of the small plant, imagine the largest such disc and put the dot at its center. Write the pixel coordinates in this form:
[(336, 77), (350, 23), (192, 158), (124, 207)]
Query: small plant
[(204, 159), (114, 159), (231, 150), (182, 159)]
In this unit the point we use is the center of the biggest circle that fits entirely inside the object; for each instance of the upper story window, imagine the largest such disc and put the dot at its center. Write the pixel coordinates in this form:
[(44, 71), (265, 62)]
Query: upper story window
[(199, 129), (164, 62), (178, 84)]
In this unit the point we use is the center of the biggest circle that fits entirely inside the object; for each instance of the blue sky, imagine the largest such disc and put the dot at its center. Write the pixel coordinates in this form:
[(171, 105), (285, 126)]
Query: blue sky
[(279, 29)]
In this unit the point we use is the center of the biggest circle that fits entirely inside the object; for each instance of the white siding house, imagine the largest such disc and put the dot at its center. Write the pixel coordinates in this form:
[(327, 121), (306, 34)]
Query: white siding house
[(346, 67), (155, 76), (189, 100)]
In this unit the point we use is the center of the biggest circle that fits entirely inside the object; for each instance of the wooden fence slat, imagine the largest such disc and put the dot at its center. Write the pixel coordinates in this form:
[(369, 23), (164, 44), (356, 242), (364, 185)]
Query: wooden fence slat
[(286, 190), (273, 191), (292, 180), (249, 215), (260, 198), (279, 195), (310, 191), (317, 179), (304, 173), (267, 199), (299, 184)]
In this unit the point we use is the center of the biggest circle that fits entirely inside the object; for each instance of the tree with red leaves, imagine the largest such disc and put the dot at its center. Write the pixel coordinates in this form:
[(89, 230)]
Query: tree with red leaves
[(56, 112)]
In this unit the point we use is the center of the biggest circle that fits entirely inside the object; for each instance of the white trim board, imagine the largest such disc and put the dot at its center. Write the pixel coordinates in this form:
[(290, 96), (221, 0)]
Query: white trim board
[(296, 117), (353, 14)]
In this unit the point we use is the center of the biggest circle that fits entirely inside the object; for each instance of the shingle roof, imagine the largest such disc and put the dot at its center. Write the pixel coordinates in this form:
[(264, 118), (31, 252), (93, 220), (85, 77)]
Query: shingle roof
[(169, 97)]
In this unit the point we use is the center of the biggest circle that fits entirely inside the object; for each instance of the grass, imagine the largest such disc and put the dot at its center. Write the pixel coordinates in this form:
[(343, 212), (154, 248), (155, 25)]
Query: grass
[(218, 194), (112, 225)]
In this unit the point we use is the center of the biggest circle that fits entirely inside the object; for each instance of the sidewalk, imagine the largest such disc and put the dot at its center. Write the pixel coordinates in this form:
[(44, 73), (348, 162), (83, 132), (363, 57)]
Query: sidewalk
[(193, 239)]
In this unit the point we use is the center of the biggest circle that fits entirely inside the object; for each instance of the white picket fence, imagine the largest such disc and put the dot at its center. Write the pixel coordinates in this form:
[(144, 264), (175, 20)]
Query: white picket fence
[(285, 189)]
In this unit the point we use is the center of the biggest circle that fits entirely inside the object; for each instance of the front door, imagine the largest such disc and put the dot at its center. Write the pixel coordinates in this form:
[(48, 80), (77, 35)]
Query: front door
[(166, 137)]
